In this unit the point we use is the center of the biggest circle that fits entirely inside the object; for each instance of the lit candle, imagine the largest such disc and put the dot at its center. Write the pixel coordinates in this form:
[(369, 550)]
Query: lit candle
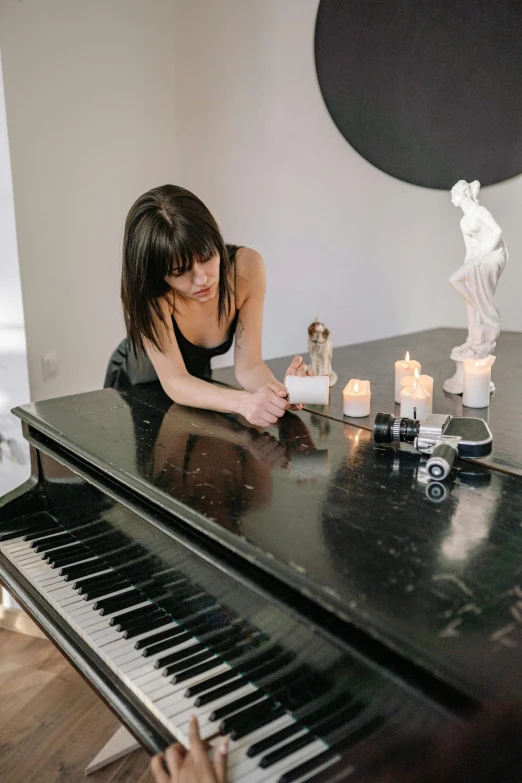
[(356, 398), (308, 389), (415, 402), (477, 378), (403, 368), (426, 380)]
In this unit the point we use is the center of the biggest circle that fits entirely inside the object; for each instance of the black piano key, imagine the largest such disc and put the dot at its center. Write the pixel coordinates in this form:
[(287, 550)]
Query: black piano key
[(33, 535), (286, 680), (74, 554), (188, 661), (223, 690), (274, 739), (149, 616), (92, 581), (307, 766), (340, 748), (107, 587), (92, 566), (109, 605), (195, 671), (136, 630), (245, 727), (25, 528), (247, 715), (210, 687), (211, 684), (160, 636), (167, 644), (286, 750), (128, 618), (239, 704), (323, 730), (48, 543), (323, 706)]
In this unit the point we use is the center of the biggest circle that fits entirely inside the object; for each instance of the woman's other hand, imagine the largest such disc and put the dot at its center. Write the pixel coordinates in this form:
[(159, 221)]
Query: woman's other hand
[(265, 406), (298, 367), (191, 766)]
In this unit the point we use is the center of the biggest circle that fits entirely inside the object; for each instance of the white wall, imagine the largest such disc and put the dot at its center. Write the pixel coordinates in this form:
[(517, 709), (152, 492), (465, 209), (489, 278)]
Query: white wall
[(90, 112), (11, 308), (368, 254)]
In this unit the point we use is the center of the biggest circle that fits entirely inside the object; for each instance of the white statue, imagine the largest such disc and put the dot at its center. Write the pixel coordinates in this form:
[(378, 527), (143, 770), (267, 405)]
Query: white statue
[(320, 350), (476, 280)]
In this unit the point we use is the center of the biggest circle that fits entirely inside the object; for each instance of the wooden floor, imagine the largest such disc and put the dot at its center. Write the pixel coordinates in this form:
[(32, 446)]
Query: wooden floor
[(51, 723)]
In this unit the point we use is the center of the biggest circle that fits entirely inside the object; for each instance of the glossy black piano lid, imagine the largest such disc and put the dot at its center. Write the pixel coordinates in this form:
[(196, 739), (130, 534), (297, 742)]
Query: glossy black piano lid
[(317, 504), (375, 361)]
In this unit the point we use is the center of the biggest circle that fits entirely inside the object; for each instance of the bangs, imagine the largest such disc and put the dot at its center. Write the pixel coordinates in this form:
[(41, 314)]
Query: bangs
[(189, 247)]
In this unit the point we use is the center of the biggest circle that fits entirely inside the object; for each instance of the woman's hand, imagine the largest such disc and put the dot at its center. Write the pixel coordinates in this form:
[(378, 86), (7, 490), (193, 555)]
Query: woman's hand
[(298, 367), (265, 406), (191, 766)]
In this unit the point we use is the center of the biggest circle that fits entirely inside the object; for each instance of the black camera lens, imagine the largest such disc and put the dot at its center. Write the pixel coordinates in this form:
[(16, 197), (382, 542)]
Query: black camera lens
[(388, 428), (383, 428)]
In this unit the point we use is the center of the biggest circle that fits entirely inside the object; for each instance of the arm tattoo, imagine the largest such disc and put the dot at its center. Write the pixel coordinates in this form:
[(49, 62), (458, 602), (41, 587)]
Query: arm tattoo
[(239, 332)]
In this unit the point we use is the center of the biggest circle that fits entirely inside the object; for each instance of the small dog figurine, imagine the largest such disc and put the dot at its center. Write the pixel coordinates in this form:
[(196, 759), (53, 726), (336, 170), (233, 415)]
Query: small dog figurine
[(320, 350)]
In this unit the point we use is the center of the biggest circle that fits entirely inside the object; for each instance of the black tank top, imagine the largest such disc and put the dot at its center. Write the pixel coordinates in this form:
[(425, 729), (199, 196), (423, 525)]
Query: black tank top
[(197, 357)]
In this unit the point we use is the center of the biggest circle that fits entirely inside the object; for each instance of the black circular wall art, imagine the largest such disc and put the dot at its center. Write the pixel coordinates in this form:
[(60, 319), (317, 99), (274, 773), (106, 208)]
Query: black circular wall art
[(429, 91)]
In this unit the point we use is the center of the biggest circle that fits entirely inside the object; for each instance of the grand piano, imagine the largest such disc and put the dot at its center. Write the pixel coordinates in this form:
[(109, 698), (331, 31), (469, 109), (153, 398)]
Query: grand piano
[(301, 589)]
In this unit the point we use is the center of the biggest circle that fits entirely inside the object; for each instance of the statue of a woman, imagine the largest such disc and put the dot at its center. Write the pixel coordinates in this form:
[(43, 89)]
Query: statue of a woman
[(476, 280)]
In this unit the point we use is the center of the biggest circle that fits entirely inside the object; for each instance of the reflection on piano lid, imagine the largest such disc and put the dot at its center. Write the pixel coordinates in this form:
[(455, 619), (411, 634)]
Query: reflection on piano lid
[(177, 561), (180, 635)]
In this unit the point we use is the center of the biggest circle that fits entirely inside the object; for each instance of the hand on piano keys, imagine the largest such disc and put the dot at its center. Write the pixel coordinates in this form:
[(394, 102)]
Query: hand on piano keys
[(194, 765)]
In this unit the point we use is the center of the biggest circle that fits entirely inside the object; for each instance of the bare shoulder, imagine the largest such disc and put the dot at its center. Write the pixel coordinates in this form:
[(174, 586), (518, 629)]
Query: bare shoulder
[(249, 264)]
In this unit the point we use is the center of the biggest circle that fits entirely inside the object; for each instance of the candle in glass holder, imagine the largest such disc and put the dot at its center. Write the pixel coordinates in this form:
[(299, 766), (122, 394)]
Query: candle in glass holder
[(415, 402), (477, 378), (426, 380), (356, 398), (403, 368)]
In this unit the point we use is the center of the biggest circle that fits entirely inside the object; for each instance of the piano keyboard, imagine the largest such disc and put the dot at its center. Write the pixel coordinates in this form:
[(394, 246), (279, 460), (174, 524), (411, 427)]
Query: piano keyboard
[(187, 638)]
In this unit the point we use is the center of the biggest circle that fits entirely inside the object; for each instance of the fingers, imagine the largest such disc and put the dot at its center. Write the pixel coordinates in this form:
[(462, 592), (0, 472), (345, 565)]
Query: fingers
[(278, 388), (220, 760), (175, 756), (157, 770), (198, 752)]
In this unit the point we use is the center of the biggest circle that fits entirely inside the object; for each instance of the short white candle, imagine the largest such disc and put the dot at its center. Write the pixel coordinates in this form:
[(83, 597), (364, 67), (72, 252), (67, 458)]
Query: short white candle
[(403, 368), (308, 389), (477, 377), (426, 380), (356, 398), (415, 402)]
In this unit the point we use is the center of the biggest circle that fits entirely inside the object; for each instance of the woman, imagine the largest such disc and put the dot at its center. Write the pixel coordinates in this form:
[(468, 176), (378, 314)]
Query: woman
[(476, 280), (185, 296)]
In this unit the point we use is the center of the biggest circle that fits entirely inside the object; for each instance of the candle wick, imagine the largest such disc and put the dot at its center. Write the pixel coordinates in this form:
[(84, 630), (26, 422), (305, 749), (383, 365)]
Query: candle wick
[(415, 413)]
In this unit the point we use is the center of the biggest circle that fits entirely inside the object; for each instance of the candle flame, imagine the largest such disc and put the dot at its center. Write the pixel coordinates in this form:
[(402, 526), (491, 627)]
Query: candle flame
[(477, 363), (414, 386), (407, 357), (356, 388), (416, 373)]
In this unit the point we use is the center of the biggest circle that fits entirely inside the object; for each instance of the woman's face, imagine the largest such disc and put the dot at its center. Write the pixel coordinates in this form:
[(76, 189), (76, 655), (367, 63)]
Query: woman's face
[(199, 283)]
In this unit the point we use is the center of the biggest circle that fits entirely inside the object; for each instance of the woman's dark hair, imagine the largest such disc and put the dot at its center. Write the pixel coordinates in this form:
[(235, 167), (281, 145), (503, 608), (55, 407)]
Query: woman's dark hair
[(167, 228)]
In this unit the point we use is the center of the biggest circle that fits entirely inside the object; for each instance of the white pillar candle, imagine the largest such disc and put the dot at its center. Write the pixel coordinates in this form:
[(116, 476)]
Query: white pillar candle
[(477, 377), (426, 380), (356, 398), (308, 389), (403, 368), (415, 402)]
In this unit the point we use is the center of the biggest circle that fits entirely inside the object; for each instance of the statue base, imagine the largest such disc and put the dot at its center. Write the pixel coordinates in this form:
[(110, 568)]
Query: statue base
[(333, 379), (455, 384)]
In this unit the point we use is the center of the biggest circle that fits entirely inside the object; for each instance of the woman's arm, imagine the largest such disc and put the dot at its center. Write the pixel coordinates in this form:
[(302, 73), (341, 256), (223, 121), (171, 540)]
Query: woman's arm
[(250, 370), (261, 409)]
